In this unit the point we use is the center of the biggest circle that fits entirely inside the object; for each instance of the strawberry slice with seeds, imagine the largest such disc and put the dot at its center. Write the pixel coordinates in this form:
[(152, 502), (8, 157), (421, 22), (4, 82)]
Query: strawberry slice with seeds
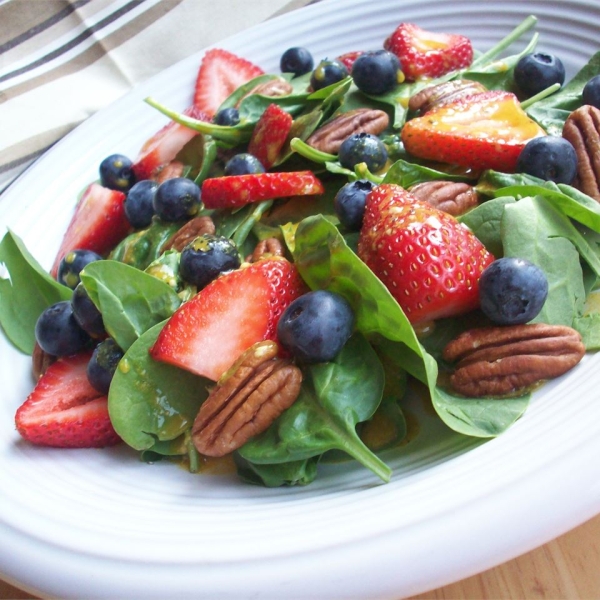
[(99, 223), (429, 261), (270, 134), (64, 410), (209, 332), (221, 73), (238, 190), (425, 54), (164, 145), (483, 131)]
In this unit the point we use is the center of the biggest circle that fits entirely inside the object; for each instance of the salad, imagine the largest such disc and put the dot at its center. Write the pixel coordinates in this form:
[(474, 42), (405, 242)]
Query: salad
[(170, 318)]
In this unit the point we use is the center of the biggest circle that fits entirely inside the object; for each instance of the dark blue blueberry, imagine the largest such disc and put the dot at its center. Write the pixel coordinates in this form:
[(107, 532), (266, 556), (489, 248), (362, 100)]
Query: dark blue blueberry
[(139, 204), (591, 92), (376, 72), (327, 73), (86, 313), (206, 258), (296, 60), (227, 116), (315, 327), (512, 291), (58, 333), (116, 173), (243, 164), (551, 158), (72, 264), (349, 203), (538, 71), (363, 147), (177, 199), (103, 364)]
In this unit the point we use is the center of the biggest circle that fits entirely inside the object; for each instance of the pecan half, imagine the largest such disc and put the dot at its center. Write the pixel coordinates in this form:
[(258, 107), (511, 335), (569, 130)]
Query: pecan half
[(452, 197), (268, 247), (502, 361), (443, 93), (272, 88), (40, 361), (329, 138), (189, 232), (246, 400), (582, 129), (170, 171)]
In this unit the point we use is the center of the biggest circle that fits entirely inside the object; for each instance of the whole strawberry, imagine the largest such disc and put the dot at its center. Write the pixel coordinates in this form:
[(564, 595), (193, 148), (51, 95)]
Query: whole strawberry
[(425, 54), (429, 261)]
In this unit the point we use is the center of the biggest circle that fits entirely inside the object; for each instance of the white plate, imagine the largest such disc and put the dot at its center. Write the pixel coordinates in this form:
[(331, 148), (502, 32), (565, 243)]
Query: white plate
[(101, 524)]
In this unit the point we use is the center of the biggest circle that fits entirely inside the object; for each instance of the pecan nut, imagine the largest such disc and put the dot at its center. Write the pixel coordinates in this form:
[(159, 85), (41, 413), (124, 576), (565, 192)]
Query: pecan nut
[(453, 197), (329, 138), (246, 400), (189, 232), (265, 248), (272, 88), (582, 129), (504, 361), (40, 360), (437, 95)]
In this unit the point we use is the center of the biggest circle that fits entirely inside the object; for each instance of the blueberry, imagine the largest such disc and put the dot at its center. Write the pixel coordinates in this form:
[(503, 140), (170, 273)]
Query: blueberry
[(376, 72), (177, 199), (349, 203), (327, 73), (243, 164), (551, 158), (206, 258), (58, 333), (315, 326), (512, 291), (72, 264), (363, 147), (103, 364), (86, 314), (536, 72), (591, 92), (116, 173), (139, 204), (296, 60), (227, 116)]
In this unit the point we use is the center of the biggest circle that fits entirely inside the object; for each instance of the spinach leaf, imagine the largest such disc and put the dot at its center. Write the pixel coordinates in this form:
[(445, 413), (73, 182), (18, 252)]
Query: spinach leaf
[(130, 300), (407, 174), (296, 472), (326, 262), (335, 396), (25, 293), (152, 404)]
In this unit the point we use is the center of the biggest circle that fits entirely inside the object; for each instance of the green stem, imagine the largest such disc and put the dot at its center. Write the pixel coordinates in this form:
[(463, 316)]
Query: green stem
[(368, 459), (239, 237), (504, 43), (303, 149), (540, 96)]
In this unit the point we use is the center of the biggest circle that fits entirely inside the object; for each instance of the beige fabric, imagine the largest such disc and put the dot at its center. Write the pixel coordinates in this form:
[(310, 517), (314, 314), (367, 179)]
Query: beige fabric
[(62, 60)]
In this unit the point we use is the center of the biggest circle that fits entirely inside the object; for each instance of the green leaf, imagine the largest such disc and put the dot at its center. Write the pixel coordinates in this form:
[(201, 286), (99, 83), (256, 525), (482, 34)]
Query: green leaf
[(152, 404), (25, 293), (131, 301), (296, 472), (406, 174), (335, 396)]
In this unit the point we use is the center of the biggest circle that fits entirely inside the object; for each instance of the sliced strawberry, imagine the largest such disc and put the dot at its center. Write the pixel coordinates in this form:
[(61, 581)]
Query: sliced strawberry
[(98, 224), (270, 134), (64, 410), (428, 261), (348, 59), (208, 333), (483, 131), (221, 73), (238, 190), (424, 54), (164, 145)]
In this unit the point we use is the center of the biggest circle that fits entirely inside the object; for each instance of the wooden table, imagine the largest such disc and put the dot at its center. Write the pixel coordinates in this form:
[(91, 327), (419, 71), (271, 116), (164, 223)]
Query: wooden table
[(567, 568)]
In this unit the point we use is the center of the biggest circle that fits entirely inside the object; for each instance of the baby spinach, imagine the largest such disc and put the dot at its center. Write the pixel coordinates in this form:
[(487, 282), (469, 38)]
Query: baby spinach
[(335, 396), (25, 293), (407, 174), (326, 262), (130, 300), (152, 405), (296, 472)]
